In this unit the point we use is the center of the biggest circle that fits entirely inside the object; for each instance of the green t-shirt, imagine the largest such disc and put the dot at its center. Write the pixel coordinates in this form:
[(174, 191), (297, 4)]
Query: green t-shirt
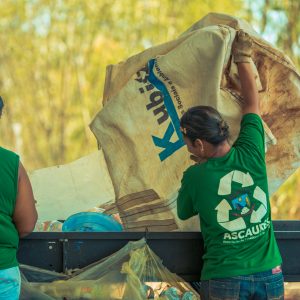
[(230, 195), (9, 238)]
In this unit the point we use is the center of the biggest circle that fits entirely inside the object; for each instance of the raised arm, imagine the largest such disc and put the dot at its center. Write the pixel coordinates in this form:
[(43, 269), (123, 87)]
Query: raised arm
[(25, 214), (242, 48)]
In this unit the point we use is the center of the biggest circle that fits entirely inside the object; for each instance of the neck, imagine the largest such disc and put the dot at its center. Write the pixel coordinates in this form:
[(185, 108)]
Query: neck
[(221, 150)]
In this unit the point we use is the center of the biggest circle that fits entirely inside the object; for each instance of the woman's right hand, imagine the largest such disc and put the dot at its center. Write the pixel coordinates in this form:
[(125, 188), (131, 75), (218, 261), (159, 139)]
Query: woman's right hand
[(242, 47)]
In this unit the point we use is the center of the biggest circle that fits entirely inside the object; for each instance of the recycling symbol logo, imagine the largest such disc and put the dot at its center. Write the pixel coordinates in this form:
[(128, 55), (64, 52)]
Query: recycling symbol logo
[(241, 204)]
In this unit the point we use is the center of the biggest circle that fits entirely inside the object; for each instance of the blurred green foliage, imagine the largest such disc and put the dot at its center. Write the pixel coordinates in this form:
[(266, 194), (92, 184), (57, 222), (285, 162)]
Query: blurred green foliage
[(53, 61), (286, 201)]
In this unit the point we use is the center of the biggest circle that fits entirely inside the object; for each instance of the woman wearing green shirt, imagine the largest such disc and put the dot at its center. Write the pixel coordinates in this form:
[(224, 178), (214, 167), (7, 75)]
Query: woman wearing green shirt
[(17, 219), (228, 189)]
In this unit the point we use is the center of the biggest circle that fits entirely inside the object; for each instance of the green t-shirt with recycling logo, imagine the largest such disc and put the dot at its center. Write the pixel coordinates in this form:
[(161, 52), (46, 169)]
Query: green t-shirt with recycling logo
[(230, 195)]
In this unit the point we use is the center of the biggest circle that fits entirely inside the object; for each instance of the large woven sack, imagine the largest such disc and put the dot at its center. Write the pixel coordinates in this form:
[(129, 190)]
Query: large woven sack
[(145, 96)]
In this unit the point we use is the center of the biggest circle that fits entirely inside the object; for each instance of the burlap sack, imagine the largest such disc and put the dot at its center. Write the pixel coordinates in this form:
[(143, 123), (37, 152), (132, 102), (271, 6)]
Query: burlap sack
[(145, 96)]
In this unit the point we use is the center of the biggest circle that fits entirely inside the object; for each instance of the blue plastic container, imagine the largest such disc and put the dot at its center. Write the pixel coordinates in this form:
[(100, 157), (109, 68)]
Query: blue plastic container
[(91, 222)]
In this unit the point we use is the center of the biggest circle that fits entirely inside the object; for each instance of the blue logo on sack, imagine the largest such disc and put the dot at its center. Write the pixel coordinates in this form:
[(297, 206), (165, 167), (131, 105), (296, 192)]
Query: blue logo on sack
[(163, 107)]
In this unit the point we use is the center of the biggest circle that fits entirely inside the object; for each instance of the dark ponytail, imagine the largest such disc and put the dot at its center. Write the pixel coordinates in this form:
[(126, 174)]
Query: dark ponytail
[(206, 123)]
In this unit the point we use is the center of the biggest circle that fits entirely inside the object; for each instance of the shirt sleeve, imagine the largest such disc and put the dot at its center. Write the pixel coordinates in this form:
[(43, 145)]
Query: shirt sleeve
[(185, 208), (252, 134)]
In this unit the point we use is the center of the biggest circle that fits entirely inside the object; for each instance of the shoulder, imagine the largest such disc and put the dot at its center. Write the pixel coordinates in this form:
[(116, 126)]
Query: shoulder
[(251, 118), (193, 172), (9, 158), (252, 134), (8, 153), (252, 125)]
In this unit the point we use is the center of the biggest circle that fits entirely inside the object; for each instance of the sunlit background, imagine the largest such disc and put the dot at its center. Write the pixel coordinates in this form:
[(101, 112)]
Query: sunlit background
[(53, 57)]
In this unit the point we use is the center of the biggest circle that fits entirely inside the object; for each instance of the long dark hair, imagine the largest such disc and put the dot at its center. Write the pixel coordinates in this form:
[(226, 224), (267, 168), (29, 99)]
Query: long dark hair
[(206, 123)]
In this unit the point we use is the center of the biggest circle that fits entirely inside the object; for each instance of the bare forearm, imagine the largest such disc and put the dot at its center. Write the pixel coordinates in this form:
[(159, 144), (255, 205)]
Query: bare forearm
[(24, 233), (25, 214), (26, 226), (249, 88)]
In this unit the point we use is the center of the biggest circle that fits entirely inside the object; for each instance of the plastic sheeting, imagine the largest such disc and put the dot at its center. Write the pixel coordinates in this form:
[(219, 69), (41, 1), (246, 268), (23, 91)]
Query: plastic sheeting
[(133, 273)]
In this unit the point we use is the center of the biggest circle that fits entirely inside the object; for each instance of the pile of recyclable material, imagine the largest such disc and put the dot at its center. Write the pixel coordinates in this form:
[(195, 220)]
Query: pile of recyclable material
[(134, 272), (91, 221)]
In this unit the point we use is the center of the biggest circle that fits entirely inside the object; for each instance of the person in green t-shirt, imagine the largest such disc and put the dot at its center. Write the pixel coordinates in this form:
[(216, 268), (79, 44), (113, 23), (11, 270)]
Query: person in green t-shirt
[(17, 218), (228, 189)]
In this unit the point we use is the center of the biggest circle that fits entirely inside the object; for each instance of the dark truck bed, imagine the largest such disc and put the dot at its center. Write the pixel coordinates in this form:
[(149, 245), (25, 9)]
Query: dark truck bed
[(180, 251)]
